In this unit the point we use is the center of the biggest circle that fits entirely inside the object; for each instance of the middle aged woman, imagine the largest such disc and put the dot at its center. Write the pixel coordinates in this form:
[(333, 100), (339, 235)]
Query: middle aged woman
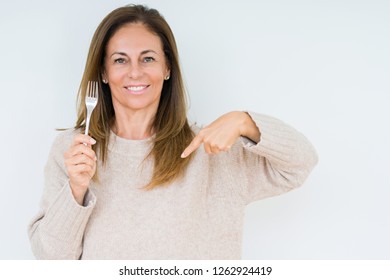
[(138, 187)]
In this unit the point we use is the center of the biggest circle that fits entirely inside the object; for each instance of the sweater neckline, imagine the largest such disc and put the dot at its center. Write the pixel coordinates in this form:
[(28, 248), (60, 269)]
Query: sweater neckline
[(121, 145)]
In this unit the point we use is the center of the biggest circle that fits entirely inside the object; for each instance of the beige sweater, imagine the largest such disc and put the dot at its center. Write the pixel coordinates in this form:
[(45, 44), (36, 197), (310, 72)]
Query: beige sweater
[(197, 217)]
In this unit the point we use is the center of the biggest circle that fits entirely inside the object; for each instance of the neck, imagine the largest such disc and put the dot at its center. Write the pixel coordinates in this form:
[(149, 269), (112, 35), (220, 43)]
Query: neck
[(134, 126)]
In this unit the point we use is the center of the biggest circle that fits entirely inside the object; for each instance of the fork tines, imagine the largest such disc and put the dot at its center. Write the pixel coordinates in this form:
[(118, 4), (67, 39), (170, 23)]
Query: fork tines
[(92, 89), (91, 99)]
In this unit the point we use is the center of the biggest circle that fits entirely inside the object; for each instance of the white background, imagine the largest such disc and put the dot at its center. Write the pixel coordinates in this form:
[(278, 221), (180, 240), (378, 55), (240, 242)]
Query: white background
[(321, 66)]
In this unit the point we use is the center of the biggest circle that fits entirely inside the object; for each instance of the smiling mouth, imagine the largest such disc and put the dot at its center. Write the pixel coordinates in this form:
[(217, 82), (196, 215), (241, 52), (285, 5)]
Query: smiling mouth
[(136, 89)]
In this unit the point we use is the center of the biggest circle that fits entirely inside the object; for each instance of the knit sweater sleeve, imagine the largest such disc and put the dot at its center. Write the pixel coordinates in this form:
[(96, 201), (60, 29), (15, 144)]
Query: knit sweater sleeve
[(279, 162), (56, 232)]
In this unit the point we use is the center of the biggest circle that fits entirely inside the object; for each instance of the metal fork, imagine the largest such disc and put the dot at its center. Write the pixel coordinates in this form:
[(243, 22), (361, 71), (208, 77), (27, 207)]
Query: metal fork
[(91, 100)]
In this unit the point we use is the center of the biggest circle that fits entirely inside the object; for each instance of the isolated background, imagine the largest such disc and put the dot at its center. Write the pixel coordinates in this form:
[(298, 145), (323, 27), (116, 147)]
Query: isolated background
[(321, 66)]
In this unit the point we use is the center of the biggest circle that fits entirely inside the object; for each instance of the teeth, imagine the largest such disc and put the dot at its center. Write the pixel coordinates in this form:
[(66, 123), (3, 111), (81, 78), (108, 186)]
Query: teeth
[(136, 88)]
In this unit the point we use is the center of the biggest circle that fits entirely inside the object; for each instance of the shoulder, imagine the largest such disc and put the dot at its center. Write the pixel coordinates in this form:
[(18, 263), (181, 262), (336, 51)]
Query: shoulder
[(65, 136), (63, 140), (55, 163)]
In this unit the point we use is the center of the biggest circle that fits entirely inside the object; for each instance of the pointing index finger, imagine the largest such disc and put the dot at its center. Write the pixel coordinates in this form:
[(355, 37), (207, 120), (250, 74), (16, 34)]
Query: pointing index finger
[(195, 143)]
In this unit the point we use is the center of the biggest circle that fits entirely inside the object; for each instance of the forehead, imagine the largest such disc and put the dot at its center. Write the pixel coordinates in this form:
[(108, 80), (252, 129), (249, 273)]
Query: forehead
[(134, 37)]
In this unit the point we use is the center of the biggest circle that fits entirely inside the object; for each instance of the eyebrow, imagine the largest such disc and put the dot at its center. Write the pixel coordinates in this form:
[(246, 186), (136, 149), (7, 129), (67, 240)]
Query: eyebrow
[(142, 53)]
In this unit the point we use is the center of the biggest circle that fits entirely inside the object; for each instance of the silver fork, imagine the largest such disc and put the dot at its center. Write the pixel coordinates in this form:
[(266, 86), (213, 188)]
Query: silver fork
[(91, 100)]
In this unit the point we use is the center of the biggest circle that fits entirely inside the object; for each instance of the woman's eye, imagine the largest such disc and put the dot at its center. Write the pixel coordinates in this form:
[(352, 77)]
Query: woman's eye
[(119, 60), (148, 59)]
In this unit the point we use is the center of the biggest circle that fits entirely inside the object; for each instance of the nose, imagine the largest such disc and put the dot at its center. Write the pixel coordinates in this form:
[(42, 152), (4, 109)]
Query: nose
[(135, 71)]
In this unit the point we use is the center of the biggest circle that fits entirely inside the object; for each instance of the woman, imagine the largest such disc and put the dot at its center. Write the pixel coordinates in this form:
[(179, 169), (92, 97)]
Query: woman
[(138, 187)]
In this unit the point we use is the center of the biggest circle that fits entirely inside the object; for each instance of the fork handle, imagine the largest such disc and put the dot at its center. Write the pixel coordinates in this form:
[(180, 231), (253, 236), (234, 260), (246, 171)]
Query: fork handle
[(87, 126)]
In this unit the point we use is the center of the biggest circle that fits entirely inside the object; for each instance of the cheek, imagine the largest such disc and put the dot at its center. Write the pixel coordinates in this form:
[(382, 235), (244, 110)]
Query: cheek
[(116, 74), (157, 76)]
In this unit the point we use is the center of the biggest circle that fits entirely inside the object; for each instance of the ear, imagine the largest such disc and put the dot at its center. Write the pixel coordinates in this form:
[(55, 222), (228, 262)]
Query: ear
[(167, 74), (104, 78)]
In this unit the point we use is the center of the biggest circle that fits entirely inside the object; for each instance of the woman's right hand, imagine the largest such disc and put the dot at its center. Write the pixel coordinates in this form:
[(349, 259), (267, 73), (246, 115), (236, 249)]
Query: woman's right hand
[(80, 162)]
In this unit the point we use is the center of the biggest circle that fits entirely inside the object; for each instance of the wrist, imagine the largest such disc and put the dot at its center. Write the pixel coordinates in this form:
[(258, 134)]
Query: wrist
[(78, 193), (248, 128)]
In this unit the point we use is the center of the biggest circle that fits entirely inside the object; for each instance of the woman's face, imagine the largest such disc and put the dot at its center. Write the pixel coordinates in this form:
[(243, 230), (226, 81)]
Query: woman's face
[(135, 68)]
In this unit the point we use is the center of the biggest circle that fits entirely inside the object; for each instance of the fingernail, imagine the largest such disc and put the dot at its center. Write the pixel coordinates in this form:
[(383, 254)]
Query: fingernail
[(95, 158), (93, 141), (183, 155)]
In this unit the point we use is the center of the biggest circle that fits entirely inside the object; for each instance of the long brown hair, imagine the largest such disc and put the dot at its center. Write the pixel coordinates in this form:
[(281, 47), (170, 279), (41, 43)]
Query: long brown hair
[(173, 132)]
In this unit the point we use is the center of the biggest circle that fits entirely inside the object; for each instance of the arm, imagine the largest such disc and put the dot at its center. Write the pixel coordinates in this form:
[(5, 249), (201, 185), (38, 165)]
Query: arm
[(221, 134), (280, 161), (277, 159), (57, 230)]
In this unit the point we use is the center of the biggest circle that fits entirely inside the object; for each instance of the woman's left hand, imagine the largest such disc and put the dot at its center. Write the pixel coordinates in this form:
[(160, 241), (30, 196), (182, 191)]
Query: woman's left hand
[(220, 135)]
